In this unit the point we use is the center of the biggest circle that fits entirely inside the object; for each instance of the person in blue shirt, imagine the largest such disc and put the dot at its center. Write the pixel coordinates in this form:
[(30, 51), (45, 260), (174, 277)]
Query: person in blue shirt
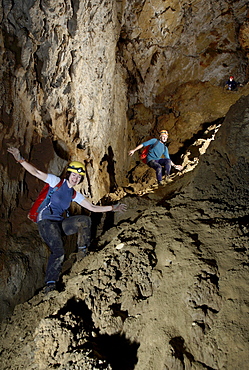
[(157, 149), (52, 224)]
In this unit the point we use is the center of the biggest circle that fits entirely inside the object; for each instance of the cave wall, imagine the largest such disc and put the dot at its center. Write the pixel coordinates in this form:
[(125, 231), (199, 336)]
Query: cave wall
[(98, 77), (179, 56), (167, 288), (63, 97), (89, 80), (226, 163), (63, 83)]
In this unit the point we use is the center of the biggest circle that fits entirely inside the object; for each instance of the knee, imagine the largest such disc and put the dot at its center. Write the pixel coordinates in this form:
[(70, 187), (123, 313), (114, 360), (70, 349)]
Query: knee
[(84, 221), (151, 164), (89, 221)]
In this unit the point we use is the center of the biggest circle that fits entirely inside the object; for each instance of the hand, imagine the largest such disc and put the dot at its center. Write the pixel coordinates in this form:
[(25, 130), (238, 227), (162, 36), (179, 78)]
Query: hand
[(15, 152), (178, 167), (131, 152), (120, 207)]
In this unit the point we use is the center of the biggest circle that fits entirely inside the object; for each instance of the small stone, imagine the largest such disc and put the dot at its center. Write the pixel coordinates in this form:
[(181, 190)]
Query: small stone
[(120, 246)]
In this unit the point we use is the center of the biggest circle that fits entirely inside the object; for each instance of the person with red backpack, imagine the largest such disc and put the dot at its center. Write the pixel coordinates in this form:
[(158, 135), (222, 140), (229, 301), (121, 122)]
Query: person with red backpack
[(156, 148), (49, 214)]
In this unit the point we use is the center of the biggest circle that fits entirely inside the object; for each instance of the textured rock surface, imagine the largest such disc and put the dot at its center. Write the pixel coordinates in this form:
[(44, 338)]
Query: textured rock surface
[(89, 80), (168, 287), (180, 56), (64, 83)]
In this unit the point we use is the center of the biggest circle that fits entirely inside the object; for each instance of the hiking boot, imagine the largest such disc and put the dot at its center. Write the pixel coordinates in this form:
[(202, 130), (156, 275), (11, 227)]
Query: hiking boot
[(49, 287), (160, 183)]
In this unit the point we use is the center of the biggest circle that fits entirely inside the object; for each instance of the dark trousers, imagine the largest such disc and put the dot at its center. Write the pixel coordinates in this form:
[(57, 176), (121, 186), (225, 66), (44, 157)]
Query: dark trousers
[(161, 166), (53, 231)]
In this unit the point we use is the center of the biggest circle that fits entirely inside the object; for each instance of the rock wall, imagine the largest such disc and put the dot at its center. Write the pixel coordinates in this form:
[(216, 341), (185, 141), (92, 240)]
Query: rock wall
[(225, 163), (63, 97), (179, 56), (98, 77), (167, 288), (64, 84), (88, 81)]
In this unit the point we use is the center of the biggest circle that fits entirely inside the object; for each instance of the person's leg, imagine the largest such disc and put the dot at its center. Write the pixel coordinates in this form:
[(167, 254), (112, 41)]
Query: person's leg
[(80, 224), (157, 167), (51, 233), (166, 163)]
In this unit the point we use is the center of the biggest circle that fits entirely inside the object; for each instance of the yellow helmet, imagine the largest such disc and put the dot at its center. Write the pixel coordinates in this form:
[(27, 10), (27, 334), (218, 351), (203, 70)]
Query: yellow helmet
[(76, 167), (162, 132)]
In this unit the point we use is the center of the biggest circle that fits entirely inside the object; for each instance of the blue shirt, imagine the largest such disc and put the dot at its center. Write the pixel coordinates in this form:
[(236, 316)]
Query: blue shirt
[(59, 201), (158, 151)]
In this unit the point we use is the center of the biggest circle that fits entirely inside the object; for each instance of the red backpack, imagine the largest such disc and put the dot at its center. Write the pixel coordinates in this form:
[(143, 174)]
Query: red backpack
[(143, 155), (43, 199)]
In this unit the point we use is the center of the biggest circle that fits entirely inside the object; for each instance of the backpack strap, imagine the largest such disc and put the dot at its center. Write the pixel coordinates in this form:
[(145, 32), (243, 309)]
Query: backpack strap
[(57, 186), (49, 194), (155, 144)]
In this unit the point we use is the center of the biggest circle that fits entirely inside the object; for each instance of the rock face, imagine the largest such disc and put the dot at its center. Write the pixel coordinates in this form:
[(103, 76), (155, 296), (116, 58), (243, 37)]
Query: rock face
[(95, 78), (167, 288), (89, 81), (63, 84), (180, 56)]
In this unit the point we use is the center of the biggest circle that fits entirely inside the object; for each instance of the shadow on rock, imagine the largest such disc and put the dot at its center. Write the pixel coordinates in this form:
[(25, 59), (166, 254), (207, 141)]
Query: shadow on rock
[(117, 350)]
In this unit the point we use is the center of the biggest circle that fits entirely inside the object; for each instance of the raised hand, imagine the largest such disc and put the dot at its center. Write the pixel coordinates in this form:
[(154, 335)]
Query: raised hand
[(15, 152)]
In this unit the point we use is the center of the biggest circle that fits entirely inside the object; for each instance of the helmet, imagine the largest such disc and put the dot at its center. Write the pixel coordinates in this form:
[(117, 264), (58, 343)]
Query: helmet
[(231, 77), (76, 167), (162, 132)]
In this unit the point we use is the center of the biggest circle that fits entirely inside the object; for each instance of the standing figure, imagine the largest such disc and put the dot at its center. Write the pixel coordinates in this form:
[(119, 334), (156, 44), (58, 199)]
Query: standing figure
[(231, 84), (51, 221), (157, 149)]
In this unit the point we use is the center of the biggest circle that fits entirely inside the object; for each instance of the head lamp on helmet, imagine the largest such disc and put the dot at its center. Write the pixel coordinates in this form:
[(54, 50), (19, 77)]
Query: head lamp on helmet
[(76, 167)]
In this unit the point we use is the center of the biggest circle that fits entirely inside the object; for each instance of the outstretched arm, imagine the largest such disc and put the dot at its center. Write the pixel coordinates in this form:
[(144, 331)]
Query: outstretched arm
[(131, 152), (115, 208), (28, 167)]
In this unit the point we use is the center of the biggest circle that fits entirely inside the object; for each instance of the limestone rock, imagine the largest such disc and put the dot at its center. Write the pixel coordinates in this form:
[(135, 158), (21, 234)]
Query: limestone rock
[(174, 296), (89, 81)]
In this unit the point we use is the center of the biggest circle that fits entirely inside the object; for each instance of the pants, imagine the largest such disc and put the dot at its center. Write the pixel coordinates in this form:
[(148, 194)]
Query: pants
[(52, 232), (159, 165)]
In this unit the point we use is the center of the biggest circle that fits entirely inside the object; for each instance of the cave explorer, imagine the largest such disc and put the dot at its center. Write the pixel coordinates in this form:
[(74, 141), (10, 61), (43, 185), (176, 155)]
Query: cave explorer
[(158, 148), (51, 223), (231, 84)]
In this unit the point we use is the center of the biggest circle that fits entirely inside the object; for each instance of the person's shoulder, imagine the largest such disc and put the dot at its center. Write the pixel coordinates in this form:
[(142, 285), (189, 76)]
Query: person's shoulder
[(78, 197), (154, 140), (52, 180), (149, 142)]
